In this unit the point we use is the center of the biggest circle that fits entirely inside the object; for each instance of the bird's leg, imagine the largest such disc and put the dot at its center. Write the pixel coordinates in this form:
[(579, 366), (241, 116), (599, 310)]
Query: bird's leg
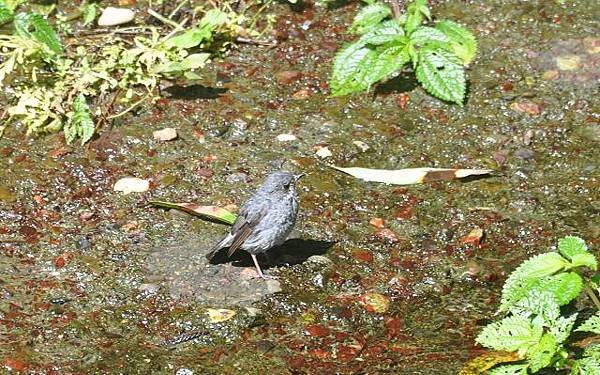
[(260, 273)]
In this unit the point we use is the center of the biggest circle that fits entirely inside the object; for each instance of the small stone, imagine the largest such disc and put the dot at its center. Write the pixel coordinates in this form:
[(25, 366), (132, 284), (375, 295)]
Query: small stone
[(524, 154), (550, 75), (527, 107), (237, 130), (115, 16), (288, 76), (302, 94), (323, 152), (273, 286), (166, 134), (237, 178), (319, 260), (568, 62), (377, 222), (149, 288), (361, 145), (128, 185), (286, 137), (219, 315)]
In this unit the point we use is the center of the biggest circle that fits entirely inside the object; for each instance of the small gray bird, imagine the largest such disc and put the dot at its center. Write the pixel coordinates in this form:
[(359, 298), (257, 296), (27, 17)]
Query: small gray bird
[(265, 220)]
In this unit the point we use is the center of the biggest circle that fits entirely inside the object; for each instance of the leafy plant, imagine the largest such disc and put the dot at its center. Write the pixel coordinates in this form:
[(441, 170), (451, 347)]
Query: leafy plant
[(389, 41), (534, 326), (55, 82)]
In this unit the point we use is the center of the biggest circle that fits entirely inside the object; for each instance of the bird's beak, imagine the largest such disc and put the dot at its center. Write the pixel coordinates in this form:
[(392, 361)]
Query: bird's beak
[(298, 176)]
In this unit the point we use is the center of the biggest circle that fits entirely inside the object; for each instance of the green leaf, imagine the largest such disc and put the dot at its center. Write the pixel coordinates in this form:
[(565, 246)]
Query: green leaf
[(90, 12), (511, 333), (561, 328), (541, 304), (389, 60), (385, 32), (369, 17), (413, 21), (509, 370), (350, 66), (586, 366), (191, 62), (213, 19), (565, 286), (592, 324), (6, 15), (34, 26), (574, 247), (441, 74), (527, 274), (586, 259), (424, 35), (190, 38), (540, 355), (80, 123), (462, 42)]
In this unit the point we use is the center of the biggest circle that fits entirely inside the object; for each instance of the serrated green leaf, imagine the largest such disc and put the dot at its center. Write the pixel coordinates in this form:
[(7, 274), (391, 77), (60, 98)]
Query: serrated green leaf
[(34, 26), (542, 304), (511, 333), (565, 286), (369, 17), (561, 328), (540, 355), (6, 15), (585, 259), (424, 35), (385, 32), (586, 366), (509, 370), (592, 324), (80, 123), (593, 351), (527, 274), (462, 42), (572, 245), (413, 21), (389, 60), (350, 66), (441, 74)]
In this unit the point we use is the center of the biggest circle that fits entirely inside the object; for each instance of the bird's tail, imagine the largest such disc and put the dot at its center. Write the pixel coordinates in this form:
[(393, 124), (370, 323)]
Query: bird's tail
[(221, 244)]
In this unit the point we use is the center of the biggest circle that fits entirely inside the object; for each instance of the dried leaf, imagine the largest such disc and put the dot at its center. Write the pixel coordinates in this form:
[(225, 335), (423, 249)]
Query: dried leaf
[(211, 212), (219, 315), (411, 175)]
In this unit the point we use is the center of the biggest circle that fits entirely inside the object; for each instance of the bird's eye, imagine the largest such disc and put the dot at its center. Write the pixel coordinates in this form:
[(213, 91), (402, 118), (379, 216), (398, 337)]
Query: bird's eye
[(286, 186)]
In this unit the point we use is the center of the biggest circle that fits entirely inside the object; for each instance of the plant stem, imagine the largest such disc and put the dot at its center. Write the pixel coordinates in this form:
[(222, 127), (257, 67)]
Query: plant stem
[(395, 8), (592, 296)]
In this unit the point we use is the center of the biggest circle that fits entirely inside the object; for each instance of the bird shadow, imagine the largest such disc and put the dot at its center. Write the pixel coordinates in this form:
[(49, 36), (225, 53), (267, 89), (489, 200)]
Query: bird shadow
[(293, 251), (195, 92)]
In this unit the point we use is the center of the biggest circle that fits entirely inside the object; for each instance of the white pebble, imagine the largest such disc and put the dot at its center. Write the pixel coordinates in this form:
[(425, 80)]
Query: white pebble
[(361, 145), (323, 152), (128, 185), (115, 16), (286, 137), (166, 134)]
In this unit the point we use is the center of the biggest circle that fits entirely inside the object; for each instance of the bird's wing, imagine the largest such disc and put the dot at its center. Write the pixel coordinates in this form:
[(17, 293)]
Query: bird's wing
[(245, 223)]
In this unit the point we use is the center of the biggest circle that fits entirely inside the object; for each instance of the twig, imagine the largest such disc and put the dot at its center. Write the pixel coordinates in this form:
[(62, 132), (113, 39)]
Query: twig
[(395, 8), (179, 6), (164, 19), (592, 296), (132, 106), (256, 42)]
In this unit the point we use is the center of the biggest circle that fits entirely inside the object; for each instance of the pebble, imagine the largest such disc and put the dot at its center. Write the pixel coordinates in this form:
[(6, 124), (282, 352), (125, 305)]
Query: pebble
[(237, 178), (115, 16), (166, 134), (286, 137), (319, 260), (149, 288), (524, 154), (128, 185), (273, 286), (361, 145), (237, 130), (323, 152)]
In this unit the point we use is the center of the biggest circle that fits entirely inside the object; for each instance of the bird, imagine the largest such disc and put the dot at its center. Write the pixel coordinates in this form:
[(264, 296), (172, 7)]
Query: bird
[(265, 219)]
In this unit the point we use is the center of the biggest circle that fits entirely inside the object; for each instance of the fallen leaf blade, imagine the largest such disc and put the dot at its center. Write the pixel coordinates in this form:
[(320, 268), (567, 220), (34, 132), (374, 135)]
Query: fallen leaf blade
[(410, 176), (210, 212)]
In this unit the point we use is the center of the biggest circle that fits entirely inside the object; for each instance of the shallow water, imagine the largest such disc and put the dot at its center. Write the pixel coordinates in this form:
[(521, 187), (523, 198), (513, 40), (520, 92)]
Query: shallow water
[(94, 281)]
